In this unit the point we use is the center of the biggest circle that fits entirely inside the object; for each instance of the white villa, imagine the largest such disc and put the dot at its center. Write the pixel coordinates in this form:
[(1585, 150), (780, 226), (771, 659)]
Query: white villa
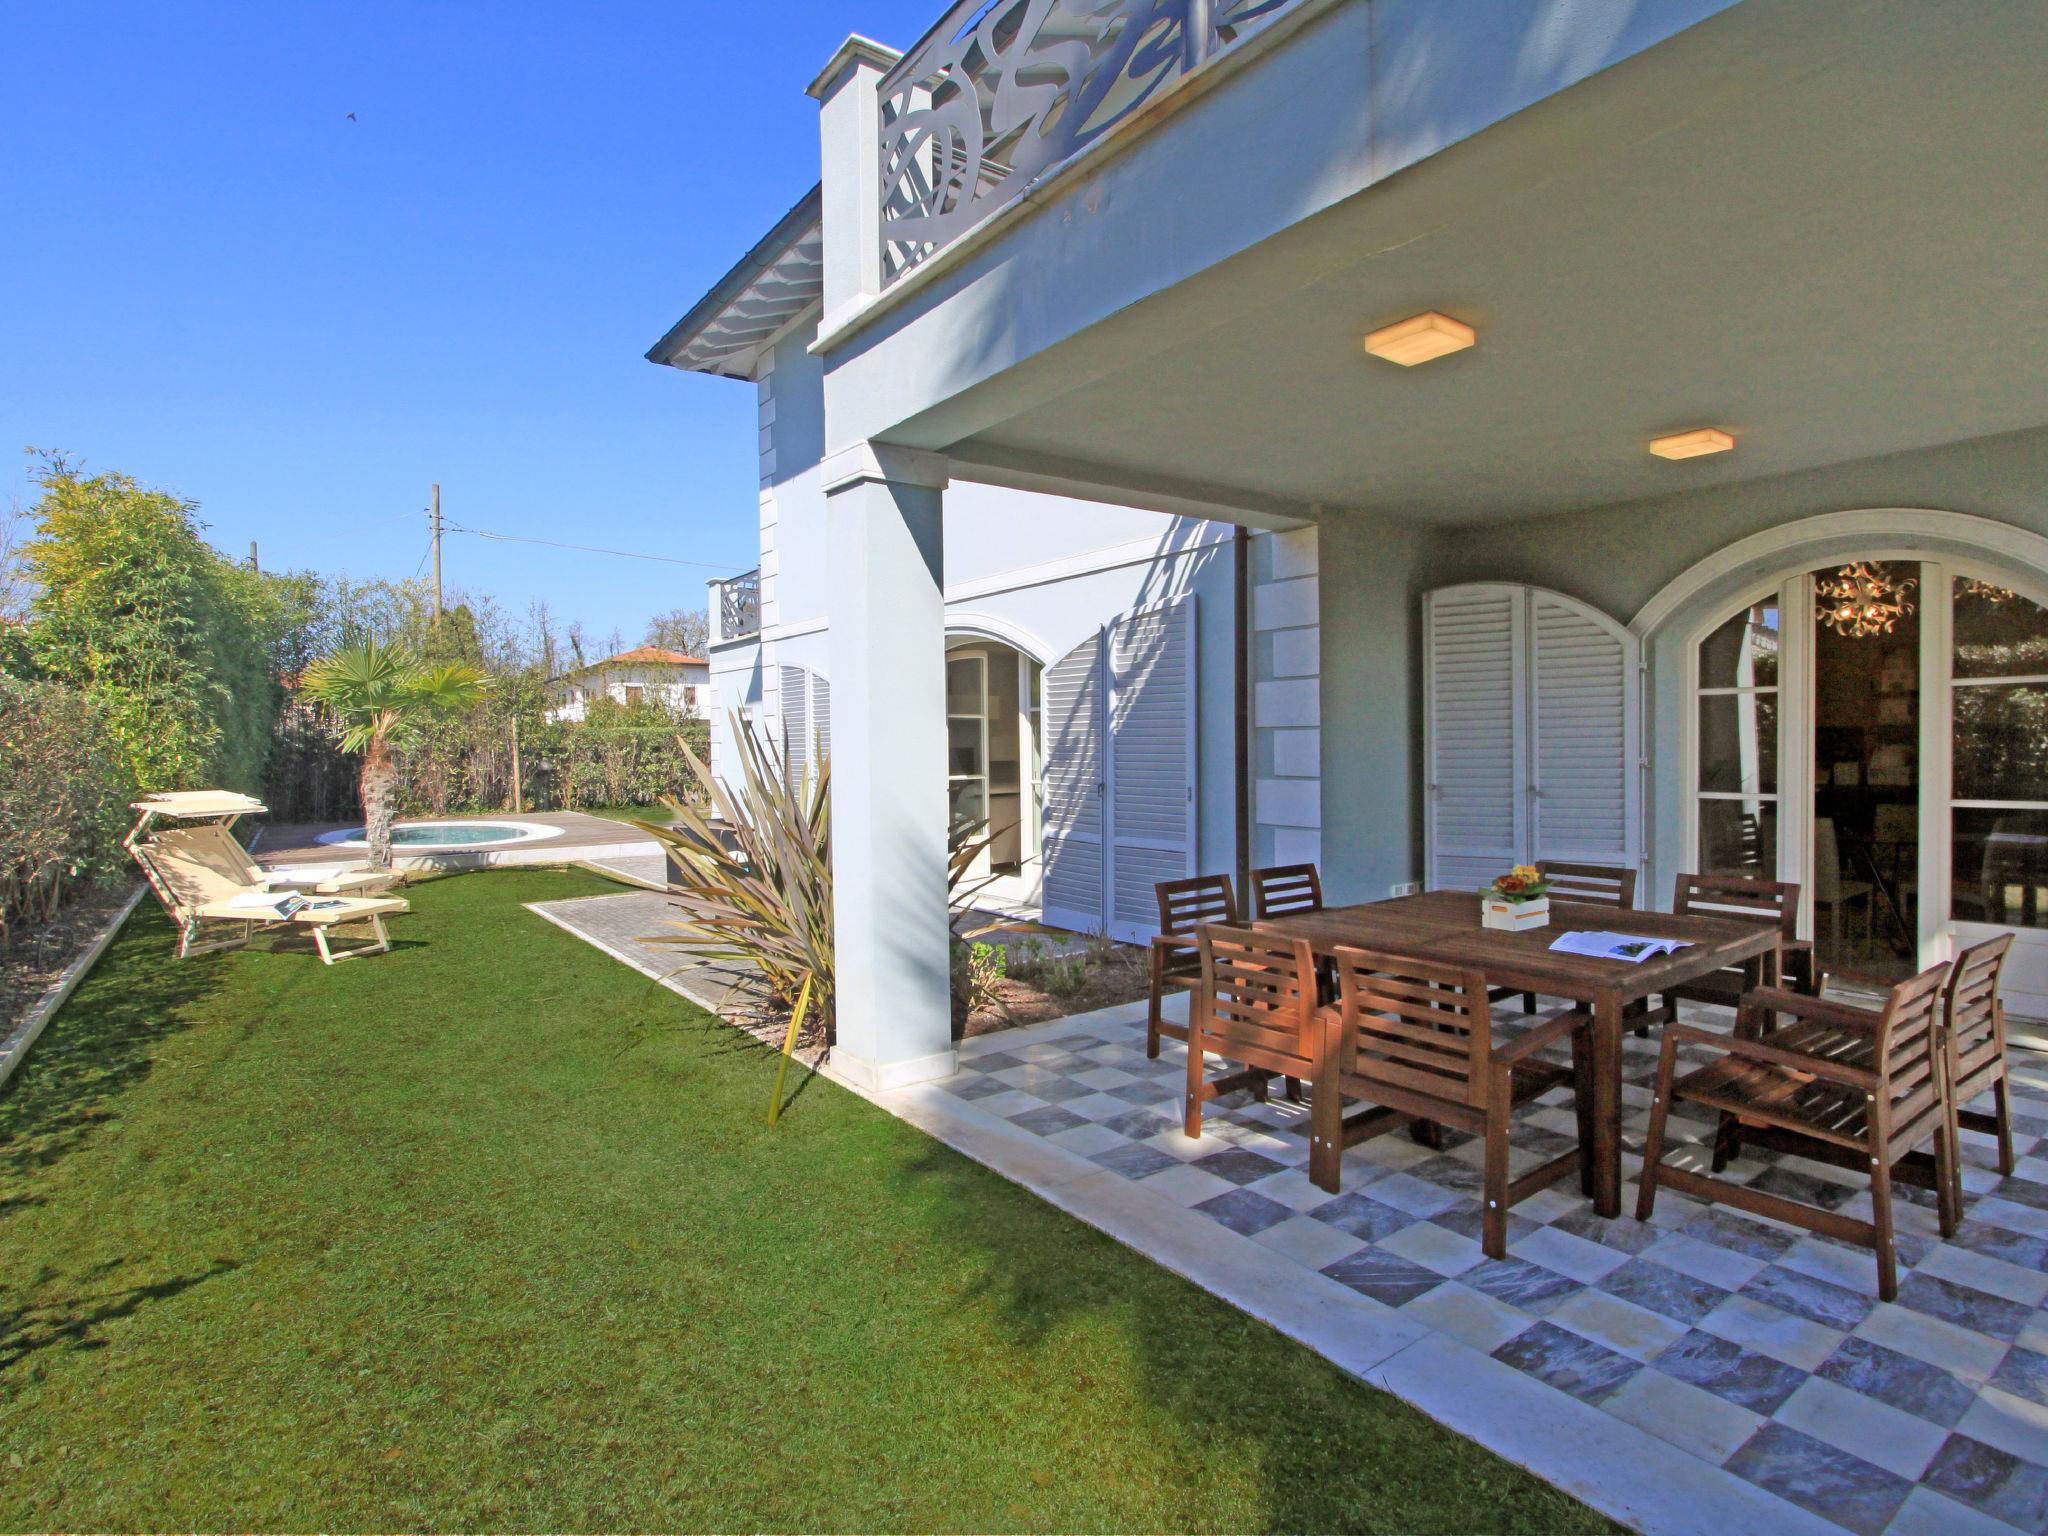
[(1093, 499), (646, 674), (1421, 438)]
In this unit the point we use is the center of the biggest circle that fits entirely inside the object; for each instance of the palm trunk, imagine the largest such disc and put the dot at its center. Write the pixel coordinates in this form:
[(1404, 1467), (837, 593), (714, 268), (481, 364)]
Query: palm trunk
[(380, 779)]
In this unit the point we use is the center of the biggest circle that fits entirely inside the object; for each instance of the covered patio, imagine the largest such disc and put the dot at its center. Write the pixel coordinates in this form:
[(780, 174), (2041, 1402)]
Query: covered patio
[(1786, 234)]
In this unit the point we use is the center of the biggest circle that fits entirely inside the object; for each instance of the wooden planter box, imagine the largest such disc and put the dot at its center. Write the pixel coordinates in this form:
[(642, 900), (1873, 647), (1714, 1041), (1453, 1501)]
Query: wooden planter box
[(1514, 916)]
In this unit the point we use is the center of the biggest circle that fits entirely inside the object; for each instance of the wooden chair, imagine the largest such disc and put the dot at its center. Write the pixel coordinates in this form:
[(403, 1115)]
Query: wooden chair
[(1417, 1041), (1758, 901), (1973, 1042), (1285, 889), (1255, 1005), (1588, 885), (1184, 906), (1838, 1084)]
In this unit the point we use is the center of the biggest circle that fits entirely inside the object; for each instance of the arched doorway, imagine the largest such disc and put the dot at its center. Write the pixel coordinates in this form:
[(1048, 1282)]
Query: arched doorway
[(992, 759), (1870, 720)]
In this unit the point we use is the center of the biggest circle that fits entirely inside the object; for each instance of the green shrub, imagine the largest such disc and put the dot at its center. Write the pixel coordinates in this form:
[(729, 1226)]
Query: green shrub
[(64, 788), (755, 859), (979, 970)]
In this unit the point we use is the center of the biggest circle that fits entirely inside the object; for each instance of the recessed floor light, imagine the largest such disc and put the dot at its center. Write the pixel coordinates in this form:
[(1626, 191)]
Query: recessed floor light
[(1420, 338), (1690, 445)]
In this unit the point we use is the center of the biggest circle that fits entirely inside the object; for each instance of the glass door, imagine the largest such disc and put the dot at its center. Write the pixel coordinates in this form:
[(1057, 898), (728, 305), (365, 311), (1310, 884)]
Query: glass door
[(967, 746), (1738, 797), (1996, 810), (1862, 876)]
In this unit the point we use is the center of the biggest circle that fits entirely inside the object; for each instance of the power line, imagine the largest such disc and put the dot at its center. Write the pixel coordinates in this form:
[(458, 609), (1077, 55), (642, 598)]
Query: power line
[(588, 549)]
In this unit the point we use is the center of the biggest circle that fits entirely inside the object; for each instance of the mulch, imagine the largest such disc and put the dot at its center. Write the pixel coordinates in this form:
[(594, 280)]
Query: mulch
[(36, 956)]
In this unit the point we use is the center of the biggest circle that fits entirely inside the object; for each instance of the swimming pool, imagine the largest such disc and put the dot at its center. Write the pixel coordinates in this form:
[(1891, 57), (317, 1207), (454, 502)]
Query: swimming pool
[(447, 836)]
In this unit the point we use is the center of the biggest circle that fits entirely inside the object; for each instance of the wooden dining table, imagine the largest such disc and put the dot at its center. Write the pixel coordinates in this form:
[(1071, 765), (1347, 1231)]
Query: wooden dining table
[(1443, 928)]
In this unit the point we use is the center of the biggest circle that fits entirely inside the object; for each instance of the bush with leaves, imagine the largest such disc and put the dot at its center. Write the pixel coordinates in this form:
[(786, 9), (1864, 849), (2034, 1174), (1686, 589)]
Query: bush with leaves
[(754, 863), (64, 789), (178, 645), (979, 971)]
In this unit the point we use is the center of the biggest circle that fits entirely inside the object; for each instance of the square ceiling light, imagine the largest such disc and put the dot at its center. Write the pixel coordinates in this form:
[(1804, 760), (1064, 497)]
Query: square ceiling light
[(1420, 338), (1691, 445)]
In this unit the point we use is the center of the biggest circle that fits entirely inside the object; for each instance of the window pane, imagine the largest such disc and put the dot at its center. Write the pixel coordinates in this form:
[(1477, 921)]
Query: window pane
[(1998, 633), (963, 686), (969, 803), (2000, 873), (2001, 742), (1739, 742), (1743, 653), (1739, 837), (963, 747)]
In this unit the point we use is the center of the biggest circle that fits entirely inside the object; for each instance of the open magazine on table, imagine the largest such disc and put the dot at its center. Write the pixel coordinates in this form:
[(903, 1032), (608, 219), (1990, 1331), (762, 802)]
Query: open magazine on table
[(1616, 946)]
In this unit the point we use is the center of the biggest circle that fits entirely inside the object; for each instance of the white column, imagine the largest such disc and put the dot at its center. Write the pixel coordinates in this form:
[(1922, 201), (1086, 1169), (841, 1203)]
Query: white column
[(850, 175), (884, 510)]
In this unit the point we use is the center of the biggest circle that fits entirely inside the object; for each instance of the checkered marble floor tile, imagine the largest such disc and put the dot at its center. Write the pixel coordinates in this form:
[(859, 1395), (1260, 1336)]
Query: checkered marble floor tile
[(1751, 1345)]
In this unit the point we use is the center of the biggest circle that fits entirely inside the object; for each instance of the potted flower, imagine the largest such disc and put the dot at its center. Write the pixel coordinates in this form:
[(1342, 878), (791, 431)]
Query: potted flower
[(1516, 900)]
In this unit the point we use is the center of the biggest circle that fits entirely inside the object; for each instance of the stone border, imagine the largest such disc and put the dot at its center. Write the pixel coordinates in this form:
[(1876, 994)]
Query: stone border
[(16, 1046)]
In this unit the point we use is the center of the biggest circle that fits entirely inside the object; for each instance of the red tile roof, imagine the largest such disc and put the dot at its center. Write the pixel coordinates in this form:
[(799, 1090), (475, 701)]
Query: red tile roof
[(650, 655)]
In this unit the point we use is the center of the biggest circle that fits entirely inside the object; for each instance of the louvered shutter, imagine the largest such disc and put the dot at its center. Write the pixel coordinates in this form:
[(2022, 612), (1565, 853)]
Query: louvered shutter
[(1151, 762), (1585, 778), (1071, 705), (796, 723), (821, 716), (1532, 736), (1476, 816)]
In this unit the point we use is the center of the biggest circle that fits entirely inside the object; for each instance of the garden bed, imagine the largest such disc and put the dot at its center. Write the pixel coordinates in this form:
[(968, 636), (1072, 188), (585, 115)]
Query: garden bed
[(1044, 976), (35, 961)]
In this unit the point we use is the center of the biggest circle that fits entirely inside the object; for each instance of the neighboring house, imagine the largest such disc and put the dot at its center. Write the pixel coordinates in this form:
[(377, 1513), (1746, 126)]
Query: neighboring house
[(1054, 301), (646, 674)]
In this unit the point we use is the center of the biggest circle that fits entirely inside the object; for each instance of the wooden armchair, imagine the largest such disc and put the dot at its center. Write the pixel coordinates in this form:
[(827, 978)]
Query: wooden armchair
[(1973, 1042), (1758, 901), (1286, 889), (1585, 885), (1184, 906), (1255, 1005), (1838, 1084), (1417, 1041)]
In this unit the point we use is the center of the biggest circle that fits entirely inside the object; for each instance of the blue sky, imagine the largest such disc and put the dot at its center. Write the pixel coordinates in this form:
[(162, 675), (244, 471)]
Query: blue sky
[(216, 282)]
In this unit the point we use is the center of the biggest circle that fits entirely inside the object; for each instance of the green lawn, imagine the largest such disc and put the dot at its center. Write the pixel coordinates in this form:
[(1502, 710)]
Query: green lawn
[(488, 1232), (660, 815)]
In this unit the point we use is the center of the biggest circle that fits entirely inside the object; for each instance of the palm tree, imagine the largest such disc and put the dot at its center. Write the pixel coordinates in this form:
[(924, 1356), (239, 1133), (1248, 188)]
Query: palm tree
[(380, 696)]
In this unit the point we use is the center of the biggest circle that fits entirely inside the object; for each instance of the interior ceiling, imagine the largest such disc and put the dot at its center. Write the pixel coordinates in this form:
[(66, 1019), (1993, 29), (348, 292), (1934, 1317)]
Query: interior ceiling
[(1845, 256)]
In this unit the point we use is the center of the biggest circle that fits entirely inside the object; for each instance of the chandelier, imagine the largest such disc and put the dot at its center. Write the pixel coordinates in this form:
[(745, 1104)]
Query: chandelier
[(1984, 591), (1863, 599)]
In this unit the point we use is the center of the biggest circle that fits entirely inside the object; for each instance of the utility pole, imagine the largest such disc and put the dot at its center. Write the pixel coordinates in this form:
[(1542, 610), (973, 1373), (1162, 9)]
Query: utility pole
[(254, 564), (434, 526)]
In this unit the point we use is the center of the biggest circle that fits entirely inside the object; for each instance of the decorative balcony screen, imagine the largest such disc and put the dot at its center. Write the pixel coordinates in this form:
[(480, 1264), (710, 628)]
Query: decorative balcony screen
[(1004, 90), (739, 606)]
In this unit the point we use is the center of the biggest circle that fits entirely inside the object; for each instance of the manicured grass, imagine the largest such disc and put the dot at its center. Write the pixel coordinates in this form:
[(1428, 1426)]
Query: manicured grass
[(660, 815), (488, 1232)]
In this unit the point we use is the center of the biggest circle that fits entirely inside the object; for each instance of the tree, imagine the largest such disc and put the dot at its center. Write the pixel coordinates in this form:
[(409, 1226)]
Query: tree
[(381, 697), (681, 629), (133, 609), (15, 586)]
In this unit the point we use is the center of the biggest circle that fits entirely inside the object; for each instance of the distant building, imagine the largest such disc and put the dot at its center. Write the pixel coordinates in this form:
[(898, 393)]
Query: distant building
[(646, 674)]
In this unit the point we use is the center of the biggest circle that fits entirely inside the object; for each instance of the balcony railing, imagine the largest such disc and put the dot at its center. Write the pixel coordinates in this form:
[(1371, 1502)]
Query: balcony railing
[(739, 606), (1003, 90)]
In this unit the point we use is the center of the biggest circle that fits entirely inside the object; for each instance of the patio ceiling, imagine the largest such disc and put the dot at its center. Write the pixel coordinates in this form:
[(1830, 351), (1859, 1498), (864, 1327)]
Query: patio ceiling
[(1818, 225)]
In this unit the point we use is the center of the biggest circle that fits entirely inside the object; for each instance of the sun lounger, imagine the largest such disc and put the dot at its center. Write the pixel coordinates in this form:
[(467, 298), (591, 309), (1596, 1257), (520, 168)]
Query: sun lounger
[(207, 882)]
